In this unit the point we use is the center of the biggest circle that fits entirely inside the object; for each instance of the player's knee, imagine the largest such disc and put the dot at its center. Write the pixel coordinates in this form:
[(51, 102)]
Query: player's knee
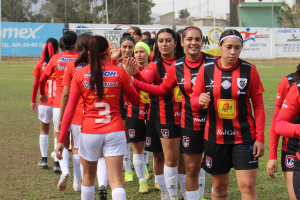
[(193, 171), (220, 187), (172, 162), (248, 186)]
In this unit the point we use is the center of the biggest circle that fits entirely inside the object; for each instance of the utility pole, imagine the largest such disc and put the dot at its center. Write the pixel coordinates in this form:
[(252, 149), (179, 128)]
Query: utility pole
[(138, 11), (106, 13)]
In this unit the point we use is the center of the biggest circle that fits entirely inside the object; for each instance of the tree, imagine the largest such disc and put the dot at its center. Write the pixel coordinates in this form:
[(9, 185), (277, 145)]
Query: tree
[(184, 13), (126, 12), (288, 17), (17, 10)]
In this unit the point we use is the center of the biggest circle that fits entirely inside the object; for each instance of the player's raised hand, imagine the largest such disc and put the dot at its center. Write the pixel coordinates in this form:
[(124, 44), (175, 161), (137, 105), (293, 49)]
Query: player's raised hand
[(114, 52)]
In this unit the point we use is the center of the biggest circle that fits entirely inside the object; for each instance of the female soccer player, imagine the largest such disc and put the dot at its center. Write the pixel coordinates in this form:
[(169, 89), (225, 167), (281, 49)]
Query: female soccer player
[(232, 137), (289, 145), (183, 73), (136, 33), (57, 65), (167, 108), (45, 110), (100, 84)]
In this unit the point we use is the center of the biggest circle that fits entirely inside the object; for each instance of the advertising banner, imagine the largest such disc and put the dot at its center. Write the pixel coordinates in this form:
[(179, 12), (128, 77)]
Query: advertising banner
[(287, 42), (27, 39)]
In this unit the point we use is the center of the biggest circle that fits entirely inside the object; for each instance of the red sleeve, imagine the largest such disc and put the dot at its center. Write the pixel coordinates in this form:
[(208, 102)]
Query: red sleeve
[(36, 70), (274, 138), (286, 128), (259, 116), (157, 90), (199, 85), (68, 116), (133, 97), (255, 85), (43, 81), (68, 74), (35, 88), (170, 78), (50, 68), (129, 90), (283, 89), (113, 61), (149, 73)]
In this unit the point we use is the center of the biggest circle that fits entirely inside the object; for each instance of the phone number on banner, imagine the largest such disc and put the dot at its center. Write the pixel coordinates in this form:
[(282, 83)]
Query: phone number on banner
[(23, 44)]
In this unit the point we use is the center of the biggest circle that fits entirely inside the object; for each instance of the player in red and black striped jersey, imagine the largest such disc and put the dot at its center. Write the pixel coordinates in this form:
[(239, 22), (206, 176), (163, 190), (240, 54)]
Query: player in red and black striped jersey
[(289, 145), (285, 126), (182, 74), (44, 110), (232, 137), (167, 111)]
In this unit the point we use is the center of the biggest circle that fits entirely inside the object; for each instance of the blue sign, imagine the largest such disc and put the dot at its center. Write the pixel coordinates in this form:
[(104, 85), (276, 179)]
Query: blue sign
[(27, 39)]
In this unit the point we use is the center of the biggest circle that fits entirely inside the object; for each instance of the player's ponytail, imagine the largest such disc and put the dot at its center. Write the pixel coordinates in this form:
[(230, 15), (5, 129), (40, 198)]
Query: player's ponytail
[(83, 47), (98, 47), (69, 40), (49, 50), (61, 46)]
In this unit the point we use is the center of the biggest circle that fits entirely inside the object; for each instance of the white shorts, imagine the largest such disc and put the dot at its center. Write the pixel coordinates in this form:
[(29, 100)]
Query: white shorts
[(75, 130), (45, 113), (55, 118), (112, 144)]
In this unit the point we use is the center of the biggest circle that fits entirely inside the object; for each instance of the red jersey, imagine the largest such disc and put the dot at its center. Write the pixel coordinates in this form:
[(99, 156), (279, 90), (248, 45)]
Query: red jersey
[(102, 116), (58, 65), (183, 73), (229, 116), (69, 74), (50, 87)]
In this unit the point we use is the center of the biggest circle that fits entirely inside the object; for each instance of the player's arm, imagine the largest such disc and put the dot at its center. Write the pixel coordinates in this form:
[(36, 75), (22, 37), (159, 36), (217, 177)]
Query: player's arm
[(47, 73), (63, 104), (199, 96), (34, 93), (148, 74)]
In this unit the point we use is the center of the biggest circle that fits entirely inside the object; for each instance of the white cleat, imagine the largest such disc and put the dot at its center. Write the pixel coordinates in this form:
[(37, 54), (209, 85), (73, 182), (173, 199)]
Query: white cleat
[(77, 185), (164, 195), (62, 184)]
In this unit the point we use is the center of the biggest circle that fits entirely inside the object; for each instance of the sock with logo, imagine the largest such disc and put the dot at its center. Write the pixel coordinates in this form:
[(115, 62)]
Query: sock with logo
[(181, 178), (171, 179), (118, 194), (87, 192), (161, 182), (193, 195), (139, 166), (201, 182), (127, 158), (101, 172), (44, 145)]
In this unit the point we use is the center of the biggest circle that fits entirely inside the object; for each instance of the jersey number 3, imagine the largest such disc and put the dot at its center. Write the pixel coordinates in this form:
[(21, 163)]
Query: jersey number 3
[(105, 112)]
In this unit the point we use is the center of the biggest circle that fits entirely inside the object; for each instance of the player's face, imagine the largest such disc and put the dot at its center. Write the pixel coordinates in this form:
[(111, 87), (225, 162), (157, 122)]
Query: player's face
[(231, 49), (192, 42), (133, 34), (166, 44), (141, 55), (127, 49)]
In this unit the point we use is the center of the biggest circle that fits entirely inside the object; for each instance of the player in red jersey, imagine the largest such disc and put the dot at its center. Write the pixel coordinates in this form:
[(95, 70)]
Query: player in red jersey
[(100, 84), (232, 137), (44, 110), (285, 126), (289, 145), (167, 113), (58, 65), (136, 33), (183, 73)]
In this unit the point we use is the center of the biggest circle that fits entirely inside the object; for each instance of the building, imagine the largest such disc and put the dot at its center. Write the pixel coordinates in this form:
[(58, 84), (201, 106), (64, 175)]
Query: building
[(210, 22), (167, 19)]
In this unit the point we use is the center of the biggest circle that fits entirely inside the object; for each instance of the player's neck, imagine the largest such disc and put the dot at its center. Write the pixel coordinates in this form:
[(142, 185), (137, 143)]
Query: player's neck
[(168, 56), (193, 58)]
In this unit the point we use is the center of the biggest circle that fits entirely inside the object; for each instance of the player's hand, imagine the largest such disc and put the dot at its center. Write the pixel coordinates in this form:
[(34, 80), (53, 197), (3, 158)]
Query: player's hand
[(131, 67), (258, 149), (43, 99), (33, 107), (272, 167), (204, 99), (59, 149), (114, 52), (58, 126)]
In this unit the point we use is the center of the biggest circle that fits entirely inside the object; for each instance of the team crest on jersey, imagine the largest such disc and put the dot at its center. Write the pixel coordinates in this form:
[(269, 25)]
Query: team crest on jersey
[(131, 133), (242, 82), (87, 75), (165, 133), (185, 141), (289, 161), (80, 66), (148, 141), (208, 162), (87, 85)]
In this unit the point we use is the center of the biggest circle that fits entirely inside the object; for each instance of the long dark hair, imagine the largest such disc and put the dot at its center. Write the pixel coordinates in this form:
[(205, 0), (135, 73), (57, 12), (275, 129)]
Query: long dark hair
[(83, 47), (230, 32), (137, 30), (178, 49), (98, 46), (296, 74), (61, 46), (69, 39), (54, 43)]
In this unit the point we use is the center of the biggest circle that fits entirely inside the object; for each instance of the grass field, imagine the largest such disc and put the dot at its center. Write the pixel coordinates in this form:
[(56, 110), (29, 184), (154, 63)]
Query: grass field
[(21, 178)]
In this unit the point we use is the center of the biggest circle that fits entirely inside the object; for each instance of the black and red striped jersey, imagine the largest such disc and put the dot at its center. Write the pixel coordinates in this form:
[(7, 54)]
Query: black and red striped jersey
[(152, 109), (229, 117)]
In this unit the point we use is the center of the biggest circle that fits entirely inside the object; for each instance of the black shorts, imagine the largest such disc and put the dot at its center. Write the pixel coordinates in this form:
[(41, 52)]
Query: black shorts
[(152, 142), (123, 113), (136, 129), (168, 131), (287, 161), (192, 142), (220, 158), (296, 178)]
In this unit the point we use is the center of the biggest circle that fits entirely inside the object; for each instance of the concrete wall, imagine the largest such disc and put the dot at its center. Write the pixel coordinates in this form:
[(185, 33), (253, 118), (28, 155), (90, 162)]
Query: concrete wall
[(210, 22), (166, 19)]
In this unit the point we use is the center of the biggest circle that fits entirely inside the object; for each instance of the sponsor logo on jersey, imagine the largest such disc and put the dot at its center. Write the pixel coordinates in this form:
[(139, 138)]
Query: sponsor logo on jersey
[(242, 82), (182, 82), (165, 133), (284, 105), (109, 73), (289, 161), (228, 132), (185, 141), (22, 33), (177, 114), (211, 84), (208, 162), (59, 67), (63, 59), (87, 75), (226, 84), (148, 141), (145, 97), (239, 92), (199, 120), (142, 112), (226, 108), (131, 133), (87, 85), (177, 94), (81, 65), (110, 84), (226, 77)]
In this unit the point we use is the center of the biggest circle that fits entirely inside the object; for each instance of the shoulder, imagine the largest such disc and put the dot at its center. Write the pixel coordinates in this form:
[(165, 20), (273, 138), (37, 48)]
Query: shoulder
[(180, 60), (207, 57)]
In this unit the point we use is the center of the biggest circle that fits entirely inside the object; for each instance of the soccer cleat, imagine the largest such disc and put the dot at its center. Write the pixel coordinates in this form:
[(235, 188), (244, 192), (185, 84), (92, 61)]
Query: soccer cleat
[(183, 194), (156, 187), (77, 185), (128, 176), (164, 195), (43, 162), (56, 168), (149, 169), (102, 193), (62, 184), (144, 188), (147, 175)]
